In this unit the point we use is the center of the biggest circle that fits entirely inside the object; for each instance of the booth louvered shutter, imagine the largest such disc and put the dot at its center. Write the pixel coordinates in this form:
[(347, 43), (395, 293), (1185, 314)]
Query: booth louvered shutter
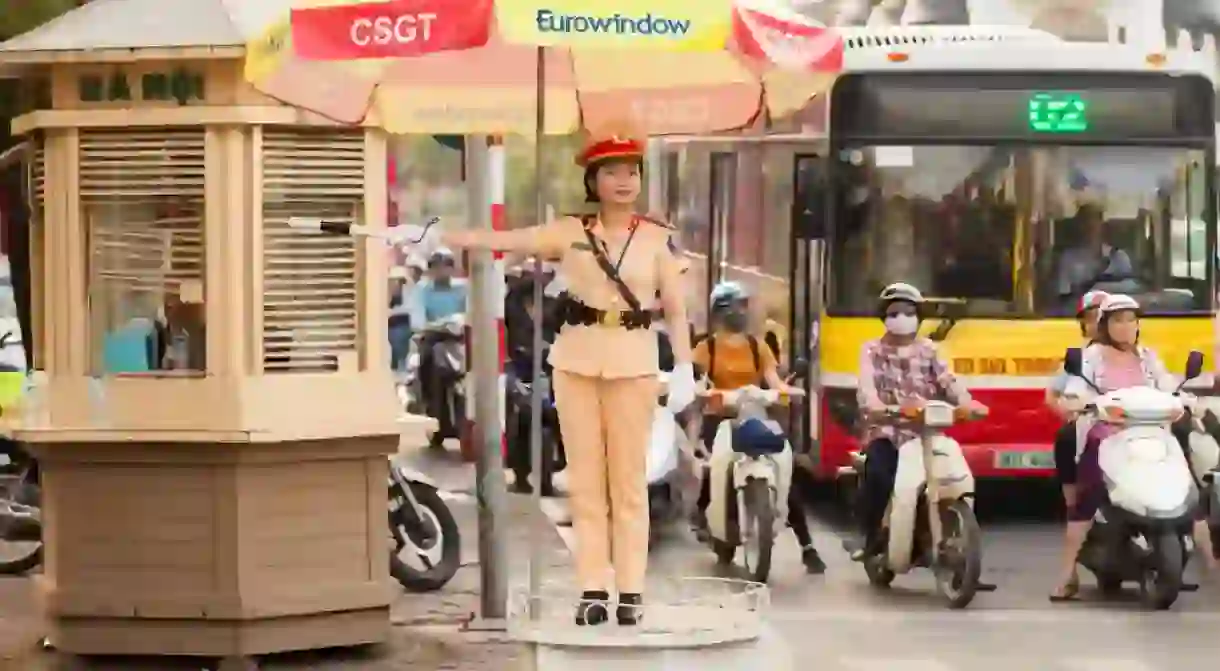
[(309, 279), (36, 178), (142, 196)]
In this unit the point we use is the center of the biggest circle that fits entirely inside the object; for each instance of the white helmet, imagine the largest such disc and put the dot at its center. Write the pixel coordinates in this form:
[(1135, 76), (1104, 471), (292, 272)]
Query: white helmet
[(900, 291), (1117, 303), (726, 293)]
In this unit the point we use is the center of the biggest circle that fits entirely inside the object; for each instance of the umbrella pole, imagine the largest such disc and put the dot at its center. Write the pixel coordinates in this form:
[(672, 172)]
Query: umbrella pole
[(535, 560)]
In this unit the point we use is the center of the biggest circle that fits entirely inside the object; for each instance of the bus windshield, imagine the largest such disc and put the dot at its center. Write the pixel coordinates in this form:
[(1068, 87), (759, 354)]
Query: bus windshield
[(1022, 230)]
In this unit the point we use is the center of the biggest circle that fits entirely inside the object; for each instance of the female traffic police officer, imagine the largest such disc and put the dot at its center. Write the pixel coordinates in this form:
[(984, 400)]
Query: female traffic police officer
[(615, 263)]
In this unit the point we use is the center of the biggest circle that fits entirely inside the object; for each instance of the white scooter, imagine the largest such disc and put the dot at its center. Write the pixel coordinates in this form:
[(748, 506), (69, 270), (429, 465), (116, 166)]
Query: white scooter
[(749, 481), (1205, 459), (665, 448), (1143, 533), (931, 527)]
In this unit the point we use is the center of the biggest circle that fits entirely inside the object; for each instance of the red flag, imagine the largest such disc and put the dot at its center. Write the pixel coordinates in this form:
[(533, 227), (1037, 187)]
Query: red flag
[(390, 29)]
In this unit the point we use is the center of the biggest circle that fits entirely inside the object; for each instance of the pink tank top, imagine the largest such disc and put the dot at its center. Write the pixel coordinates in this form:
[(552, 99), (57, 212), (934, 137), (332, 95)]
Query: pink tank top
[(1122, 370)]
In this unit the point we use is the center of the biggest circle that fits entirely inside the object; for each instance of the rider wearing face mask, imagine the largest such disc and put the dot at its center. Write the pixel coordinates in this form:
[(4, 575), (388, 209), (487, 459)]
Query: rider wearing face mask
[(897, 369), (731, 358)]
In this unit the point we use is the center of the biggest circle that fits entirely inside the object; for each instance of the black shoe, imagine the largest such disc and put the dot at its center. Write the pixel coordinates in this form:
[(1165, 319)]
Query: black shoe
[(521, 485), (812, 561), (593, 609), (436, 441), (630, 609)]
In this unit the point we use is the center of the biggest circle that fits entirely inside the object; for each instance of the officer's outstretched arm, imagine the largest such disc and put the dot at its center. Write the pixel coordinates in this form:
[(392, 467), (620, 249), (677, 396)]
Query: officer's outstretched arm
[(545, 240)]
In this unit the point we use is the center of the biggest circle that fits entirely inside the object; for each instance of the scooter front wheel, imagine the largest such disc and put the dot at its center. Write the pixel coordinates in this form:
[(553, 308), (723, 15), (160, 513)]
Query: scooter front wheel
[(960, 560), (758, 532), (1162, 576)]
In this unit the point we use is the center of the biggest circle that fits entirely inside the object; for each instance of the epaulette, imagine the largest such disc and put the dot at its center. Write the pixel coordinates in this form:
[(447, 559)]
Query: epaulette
[(652, 219)]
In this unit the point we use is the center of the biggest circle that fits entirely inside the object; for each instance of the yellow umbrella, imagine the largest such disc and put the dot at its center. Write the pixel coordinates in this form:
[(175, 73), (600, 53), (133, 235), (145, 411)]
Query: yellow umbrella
[(429, 66)]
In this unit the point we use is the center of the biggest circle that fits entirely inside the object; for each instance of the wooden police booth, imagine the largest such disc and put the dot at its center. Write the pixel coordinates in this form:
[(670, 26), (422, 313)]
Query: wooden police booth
[(218, 408)]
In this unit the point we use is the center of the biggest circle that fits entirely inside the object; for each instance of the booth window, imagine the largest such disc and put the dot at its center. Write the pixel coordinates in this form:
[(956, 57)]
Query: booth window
[(309, 279), (141, 194)]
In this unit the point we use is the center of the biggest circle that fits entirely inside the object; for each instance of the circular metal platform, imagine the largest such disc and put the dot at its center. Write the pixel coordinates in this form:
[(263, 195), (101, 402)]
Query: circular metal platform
[(687, 613)]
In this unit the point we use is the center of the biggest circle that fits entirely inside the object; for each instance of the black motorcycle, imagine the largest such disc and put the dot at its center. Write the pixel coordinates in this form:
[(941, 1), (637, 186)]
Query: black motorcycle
[(440, 378), (427, 545), (20, 514), (520, 395)]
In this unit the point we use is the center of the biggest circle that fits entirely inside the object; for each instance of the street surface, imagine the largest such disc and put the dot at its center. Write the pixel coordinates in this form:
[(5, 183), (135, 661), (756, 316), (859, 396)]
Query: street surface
[(834, 622), (838, 622)]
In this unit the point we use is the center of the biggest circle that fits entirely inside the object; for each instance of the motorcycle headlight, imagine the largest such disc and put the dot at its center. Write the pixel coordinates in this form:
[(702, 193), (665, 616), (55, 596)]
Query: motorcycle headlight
[(938, 415)]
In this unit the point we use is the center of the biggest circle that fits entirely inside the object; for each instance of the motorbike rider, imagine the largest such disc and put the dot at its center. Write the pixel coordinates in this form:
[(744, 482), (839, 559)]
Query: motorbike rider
[(899, 368), (1065, 439), (520, 315), (438, 296), (399, 318), (731, 358), (1115, 360)]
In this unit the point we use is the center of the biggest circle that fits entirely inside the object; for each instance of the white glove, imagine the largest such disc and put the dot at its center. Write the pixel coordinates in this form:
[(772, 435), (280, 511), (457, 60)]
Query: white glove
[(681, 387), (407, 235)]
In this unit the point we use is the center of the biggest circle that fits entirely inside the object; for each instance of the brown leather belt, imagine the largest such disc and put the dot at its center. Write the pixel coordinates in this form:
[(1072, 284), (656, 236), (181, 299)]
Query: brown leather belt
[(579, 314)]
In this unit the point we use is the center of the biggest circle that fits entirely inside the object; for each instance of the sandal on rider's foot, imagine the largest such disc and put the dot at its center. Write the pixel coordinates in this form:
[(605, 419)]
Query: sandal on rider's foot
[(812, 561), (593, 609), (1066, 593), (630, 609)]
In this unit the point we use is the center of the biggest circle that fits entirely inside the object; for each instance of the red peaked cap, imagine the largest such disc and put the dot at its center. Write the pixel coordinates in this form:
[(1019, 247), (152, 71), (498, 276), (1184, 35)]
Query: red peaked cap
[(617, 142)]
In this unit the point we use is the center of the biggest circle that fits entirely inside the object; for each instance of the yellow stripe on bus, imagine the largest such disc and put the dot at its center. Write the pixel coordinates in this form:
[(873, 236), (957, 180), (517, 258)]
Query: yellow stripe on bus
[(1017, 347)]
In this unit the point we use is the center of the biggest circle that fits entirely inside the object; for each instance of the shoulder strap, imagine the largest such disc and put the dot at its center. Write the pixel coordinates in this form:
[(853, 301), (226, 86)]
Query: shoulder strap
[(757, 356), (599, 255), (772, 341)]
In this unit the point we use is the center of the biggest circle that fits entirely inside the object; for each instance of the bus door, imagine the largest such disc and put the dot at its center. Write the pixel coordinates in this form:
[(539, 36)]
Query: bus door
[(723, 183), (805, 266)]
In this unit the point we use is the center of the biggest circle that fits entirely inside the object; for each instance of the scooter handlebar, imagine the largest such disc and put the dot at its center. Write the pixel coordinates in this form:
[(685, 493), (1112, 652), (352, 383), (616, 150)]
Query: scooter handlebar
[(735, 397), (933, 414)]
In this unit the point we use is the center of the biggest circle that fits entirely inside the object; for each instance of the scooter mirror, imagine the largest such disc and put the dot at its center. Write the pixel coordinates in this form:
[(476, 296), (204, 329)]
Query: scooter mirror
[(1194, 364), (1073, 361)]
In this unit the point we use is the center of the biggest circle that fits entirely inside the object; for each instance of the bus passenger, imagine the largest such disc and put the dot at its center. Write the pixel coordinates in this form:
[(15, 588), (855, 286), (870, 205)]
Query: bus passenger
[(1096, 260)]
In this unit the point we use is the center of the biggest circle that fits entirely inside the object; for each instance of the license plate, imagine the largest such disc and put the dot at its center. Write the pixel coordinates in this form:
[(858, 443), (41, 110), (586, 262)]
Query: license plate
[(1011, 460)]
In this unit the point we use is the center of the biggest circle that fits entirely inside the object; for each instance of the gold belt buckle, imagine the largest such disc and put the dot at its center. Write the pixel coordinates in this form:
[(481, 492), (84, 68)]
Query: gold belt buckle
[(612, 318)]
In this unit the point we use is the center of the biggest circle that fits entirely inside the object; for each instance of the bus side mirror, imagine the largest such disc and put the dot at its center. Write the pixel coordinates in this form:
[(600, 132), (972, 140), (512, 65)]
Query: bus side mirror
[(1073, 361), (1194, 365)]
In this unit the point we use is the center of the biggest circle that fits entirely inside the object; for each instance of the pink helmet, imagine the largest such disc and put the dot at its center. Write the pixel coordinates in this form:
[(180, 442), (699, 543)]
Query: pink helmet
[(1089, 301)]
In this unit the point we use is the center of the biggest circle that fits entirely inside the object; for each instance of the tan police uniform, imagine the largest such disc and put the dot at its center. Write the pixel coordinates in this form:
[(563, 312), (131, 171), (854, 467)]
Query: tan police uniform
[(605, 383)]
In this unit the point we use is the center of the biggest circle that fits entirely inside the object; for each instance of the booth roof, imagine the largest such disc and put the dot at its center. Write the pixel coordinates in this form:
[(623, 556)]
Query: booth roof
[(134, 24)]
